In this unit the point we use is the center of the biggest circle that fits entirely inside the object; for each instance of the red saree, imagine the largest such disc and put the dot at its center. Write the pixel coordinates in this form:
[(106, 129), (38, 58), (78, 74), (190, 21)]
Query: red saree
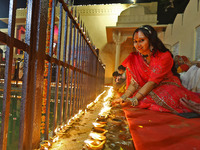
[(165, 97)]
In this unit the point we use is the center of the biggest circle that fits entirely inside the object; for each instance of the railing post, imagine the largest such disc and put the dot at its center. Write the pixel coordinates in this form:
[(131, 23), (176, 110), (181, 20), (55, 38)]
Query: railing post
[(33, 75), (7, 83)]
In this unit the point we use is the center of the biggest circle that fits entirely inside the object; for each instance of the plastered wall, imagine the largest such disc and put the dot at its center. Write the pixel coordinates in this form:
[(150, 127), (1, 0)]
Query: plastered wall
[(183, 30)]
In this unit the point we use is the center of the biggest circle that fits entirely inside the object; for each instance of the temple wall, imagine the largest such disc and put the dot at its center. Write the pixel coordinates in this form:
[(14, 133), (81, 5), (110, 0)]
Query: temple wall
[(183, 30), (96, 18)]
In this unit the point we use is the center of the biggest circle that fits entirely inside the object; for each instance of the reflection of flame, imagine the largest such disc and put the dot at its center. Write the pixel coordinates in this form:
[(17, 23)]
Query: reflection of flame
[(97, 136), (90, 105), (94, 144), (110, 93), (96, 100), (96, 124), (55, 139)]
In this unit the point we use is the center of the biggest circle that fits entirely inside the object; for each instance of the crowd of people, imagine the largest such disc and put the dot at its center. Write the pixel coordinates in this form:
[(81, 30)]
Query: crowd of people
[(152, 76)]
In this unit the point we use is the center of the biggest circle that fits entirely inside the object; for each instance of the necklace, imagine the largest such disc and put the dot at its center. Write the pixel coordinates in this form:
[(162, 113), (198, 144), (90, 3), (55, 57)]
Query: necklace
[(146, 58)]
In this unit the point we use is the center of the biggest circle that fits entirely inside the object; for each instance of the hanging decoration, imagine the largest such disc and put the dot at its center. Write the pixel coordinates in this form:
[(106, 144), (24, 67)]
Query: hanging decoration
[(44, 100)]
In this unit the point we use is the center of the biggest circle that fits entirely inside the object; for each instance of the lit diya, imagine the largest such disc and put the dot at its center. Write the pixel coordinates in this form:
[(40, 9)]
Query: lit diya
[(99, 124), (94, 144), (100, 130), (97, 136)]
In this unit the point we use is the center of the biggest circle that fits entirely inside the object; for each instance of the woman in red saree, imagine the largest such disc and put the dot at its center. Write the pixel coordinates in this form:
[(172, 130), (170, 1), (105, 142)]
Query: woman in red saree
[(151, 80)]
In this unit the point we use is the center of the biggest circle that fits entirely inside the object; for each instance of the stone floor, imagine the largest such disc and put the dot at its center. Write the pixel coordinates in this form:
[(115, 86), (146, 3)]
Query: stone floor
[(73, 138)]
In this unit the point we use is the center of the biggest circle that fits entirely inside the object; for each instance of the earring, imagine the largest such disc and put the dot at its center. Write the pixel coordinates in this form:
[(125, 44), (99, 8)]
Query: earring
[(151, 48)]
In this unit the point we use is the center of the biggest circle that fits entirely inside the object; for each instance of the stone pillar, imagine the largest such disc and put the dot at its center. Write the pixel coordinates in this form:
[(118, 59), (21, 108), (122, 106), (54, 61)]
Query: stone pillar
[(118, 39)]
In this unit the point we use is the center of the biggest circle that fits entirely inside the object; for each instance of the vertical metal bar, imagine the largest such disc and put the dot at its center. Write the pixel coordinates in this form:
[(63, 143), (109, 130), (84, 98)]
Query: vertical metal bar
[(30, 108), (25, 103), (87, 77), (64, 59), (82, 68), (42, 7), (79, 74), (50, 71), (76, 72), (7, 81), (68, 74), (58, 71), (46, 134), (82, 75), (72, 72), (63, 113), (57, 74)]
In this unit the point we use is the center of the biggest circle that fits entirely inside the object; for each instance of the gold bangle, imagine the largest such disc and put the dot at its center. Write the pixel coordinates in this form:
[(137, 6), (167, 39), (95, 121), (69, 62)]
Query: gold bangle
[(141, 94), (134, 101)]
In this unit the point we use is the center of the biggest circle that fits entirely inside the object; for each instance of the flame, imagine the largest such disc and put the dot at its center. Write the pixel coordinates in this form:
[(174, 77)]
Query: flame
[(56, 130), (94, 143), (96, 124), (97, 136), (61, 129), (55, 139), (106, 109), (45, 148), (98, 97)]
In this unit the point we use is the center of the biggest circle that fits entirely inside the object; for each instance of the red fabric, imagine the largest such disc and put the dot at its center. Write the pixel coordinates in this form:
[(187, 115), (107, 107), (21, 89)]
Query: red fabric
[(184, 67), (153, 130), (165, 97), (185, 59), (158, 70)]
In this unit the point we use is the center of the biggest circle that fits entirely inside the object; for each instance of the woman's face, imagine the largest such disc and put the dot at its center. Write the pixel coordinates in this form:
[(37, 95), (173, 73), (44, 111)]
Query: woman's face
[(141, 43)]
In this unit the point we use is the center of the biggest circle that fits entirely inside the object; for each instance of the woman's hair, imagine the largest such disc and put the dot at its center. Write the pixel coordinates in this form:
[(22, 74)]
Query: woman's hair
[(155, 42)]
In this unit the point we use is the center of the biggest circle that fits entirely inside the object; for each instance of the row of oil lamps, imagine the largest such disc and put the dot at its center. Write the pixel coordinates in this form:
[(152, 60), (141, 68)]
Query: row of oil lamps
[(46, 144), (97, 137)]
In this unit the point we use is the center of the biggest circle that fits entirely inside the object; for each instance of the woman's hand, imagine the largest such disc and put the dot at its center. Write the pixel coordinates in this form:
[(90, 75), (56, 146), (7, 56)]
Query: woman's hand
[(116, 102), (122, 103), (125, 102)]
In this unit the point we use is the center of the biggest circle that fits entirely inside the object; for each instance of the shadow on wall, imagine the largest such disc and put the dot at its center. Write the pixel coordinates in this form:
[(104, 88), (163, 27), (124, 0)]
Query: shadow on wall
[(108, 57)]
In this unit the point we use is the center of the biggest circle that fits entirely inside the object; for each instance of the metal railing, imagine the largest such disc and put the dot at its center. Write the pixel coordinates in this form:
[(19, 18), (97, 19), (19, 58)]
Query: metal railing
[(58, 83)]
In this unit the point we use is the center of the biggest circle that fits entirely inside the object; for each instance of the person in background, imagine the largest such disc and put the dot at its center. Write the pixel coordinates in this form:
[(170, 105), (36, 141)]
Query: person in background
[(183, 68), (191, 78), (152, 81), (116, 76), (122, 71), (120, 84)]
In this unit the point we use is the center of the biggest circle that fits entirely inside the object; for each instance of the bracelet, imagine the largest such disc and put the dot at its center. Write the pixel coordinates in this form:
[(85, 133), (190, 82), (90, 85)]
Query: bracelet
[(129, 91), (134, 101), (123, 97), (141, 94)]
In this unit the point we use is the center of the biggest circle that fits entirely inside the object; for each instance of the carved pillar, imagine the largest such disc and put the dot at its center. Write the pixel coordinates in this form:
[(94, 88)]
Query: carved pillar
[(118, 39)]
